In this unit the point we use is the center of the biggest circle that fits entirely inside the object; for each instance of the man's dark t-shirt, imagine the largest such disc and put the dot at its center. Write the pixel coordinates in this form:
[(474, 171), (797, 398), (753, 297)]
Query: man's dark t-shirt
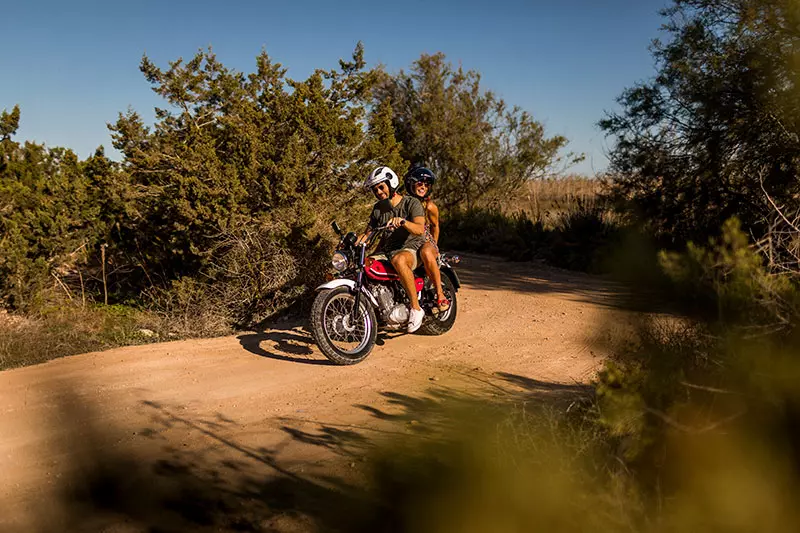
[(408, 208)]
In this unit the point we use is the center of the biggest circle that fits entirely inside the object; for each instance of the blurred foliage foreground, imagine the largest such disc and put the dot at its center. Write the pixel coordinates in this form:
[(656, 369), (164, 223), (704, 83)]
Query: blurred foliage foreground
[(694, 426)]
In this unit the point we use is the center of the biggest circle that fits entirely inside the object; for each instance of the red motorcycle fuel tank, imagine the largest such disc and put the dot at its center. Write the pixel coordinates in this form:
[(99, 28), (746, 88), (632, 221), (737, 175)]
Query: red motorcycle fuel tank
[(381, 270)]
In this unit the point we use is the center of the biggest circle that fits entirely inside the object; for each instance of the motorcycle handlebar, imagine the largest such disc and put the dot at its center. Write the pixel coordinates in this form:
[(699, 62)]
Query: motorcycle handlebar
[(374, 232)]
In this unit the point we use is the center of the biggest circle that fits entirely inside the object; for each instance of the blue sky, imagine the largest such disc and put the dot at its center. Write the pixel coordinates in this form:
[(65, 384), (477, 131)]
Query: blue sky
[(73, 66)]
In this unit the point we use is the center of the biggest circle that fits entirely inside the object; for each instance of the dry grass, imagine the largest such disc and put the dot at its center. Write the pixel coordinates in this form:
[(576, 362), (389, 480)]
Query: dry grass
[(544, 198), (72, 329)]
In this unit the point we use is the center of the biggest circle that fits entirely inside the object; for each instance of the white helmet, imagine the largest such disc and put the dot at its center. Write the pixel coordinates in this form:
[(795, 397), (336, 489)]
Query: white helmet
[(382, 174)]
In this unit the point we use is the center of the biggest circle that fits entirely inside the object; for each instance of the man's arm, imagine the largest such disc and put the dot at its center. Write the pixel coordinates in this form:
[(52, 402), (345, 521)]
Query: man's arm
[(372, 223), (416, 226), (415, 218), (366, 235)]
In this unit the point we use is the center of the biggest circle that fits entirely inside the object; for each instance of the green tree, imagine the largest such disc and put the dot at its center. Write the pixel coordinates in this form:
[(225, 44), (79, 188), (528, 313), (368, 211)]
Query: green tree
[(693, 145), (381, 146), (9, 123), (50, 216), (480, 149), (232, 147)]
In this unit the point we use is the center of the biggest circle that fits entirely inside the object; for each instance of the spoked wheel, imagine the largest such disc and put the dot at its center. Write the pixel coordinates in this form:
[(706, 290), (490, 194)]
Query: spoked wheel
[(442, 322), (343, 336)]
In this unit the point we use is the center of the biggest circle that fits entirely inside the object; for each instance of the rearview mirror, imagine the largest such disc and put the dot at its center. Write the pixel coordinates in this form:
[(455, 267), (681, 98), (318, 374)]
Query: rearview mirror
[(336, 228)]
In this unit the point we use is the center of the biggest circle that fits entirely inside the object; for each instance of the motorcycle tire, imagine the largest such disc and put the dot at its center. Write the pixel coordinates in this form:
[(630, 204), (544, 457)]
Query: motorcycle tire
[(338, 325), (438, 325)]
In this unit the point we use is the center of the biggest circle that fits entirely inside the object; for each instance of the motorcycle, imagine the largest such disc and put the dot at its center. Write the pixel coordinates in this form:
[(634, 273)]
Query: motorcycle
[(366, 295)]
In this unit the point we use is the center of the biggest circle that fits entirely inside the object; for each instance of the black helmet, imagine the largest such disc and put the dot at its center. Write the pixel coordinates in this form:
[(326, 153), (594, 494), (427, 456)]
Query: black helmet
[(419, 174)]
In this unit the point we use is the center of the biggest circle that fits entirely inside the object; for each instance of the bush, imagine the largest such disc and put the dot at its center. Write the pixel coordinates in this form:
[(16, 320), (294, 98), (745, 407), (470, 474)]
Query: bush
[(213, 213), (254, 271), (713, 393), (716, 126), (579, 238), (481, 149)]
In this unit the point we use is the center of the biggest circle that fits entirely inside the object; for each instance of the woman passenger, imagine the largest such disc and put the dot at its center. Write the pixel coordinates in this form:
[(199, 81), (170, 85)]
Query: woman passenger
[(419, 182)]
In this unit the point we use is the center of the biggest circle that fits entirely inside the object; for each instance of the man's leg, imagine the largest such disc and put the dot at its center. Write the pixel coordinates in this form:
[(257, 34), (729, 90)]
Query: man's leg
[(403, 262)]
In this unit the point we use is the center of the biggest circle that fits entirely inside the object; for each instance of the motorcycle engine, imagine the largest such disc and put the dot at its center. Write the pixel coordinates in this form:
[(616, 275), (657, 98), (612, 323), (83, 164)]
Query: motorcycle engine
[(385, 298), (398, 314), (393, 313)]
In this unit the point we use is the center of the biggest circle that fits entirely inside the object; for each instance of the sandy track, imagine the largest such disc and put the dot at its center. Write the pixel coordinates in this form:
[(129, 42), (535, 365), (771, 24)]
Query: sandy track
[(268, 404)]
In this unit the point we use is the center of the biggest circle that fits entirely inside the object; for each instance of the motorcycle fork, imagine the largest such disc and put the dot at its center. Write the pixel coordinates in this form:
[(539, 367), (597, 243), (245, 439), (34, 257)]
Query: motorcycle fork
[(362, 250)]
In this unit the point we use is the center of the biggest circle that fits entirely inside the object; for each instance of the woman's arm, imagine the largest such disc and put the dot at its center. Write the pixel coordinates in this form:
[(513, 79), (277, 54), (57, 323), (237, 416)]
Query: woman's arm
[(433, 217)]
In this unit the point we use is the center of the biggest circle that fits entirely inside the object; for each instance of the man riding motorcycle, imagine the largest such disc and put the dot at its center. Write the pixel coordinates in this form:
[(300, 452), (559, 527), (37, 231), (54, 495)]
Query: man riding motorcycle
[(406, 215)]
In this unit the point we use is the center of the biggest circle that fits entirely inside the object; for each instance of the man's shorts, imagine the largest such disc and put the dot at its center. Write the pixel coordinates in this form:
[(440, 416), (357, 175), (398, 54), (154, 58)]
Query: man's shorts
[(389, 255)]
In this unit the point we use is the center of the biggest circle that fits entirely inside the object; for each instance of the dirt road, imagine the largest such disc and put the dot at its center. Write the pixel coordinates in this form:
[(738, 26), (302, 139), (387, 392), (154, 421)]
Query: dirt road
[(267, 406)]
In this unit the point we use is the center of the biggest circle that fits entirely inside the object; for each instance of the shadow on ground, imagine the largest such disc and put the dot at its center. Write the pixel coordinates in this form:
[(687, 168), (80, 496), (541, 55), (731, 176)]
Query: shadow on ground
[(291, 341), (228, 483), (284, 341), (494, 274)]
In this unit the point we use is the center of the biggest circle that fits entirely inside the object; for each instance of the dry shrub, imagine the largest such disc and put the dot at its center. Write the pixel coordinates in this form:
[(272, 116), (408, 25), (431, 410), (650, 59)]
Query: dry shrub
[(254, 272), (780, 245), (186, 309), (71, 329)]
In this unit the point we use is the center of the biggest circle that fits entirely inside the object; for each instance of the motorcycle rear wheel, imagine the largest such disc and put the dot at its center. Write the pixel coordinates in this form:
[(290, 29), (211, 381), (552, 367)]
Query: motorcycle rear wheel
[(342, 337), (443, 322)]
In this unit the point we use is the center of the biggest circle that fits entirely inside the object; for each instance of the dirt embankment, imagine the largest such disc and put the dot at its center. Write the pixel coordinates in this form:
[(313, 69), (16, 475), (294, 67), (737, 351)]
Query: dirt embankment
[(267, 407)]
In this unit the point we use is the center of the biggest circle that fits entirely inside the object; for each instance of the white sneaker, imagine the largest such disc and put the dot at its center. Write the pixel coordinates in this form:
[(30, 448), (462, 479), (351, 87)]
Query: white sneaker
[(415, 317)]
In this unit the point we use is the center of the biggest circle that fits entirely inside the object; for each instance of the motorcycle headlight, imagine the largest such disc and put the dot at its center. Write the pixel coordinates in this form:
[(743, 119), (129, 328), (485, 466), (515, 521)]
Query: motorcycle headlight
[(339, 261)]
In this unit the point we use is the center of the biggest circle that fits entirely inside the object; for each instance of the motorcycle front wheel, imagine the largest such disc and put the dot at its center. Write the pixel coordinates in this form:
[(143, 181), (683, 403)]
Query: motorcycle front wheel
[(345, 337)]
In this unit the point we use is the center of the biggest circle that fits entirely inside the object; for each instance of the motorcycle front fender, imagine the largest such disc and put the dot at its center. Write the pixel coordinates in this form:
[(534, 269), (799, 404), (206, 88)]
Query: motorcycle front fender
[(332, 284), (344, 282)]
